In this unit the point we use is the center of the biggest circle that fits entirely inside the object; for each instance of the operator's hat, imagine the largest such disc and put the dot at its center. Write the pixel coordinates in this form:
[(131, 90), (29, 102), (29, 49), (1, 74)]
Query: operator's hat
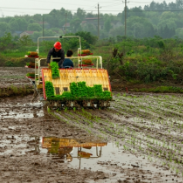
[(58, 45)]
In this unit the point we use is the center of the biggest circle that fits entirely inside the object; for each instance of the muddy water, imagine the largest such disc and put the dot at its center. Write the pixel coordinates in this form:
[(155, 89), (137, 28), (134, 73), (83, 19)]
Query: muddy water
[(36, 147)]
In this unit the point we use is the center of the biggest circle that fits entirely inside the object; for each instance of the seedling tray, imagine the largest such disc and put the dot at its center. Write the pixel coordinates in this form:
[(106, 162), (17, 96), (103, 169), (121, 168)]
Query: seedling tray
[(85, 54), (85, 65), (33, 56)]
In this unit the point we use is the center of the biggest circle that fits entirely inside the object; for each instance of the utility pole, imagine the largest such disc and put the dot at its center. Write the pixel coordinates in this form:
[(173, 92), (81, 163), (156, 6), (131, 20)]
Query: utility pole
[(98, 7), (43, 25), (2, 13), (125, 18), (98, 24), (65, 23)]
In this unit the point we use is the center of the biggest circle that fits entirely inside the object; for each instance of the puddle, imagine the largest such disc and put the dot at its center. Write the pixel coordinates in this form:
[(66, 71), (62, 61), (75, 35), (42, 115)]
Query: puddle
[(95, 156), (19, 111), (79, 154), (25, 115)]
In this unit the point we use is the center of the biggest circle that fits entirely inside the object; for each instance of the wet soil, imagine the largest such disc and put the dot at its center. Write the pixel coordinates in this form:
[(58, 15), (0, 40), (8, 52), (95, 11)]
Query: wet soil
[(14, 82), (138, 139), (35, 146), (127, 86), (14, 76)]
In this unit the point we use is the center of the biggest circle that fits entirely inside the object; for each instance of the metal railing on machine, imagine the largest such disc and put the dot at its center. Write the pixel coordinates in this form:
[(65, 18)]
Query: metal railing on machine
[(38, 64)]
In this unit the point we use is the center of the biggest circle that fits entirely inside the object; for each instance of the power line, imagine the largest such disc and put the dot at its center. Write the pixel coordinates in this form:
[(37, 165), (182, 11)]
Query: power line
[(112, 5), (30, 9), (84, 10)]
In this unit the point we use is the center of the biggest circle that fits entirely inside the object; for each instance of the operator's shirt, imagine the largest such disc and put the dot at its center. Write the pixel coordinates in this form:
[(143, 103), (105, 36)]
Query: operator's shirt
[(68, 63), (60, 54)]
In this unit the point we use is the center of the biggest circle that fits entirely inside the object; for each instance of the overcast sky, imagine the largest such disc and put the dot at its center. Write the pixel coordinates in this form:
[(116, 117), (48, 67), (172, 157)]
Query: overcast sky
[(31, 7)]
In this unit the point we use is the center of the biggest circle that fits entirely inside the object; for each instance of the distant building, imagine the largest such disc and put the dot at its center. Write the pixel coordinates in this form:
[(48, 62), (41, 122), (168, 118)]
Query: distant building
[(26, 33), (17, 33), (66, 25)]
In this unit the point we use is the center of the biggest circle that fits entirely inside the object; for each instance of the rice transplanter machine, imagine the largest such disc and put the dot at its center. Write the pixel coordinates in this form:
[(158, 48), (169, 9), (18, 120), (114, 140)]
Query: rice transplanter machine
[(87, 85)]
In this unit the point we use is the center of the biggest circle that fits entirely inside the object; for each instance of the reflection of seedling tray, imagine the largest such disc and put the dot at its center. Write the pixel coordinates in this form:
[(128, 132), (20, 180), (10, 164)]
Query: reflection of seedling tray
[(30, 77), (33, 78), (85, 54), (30, 67)]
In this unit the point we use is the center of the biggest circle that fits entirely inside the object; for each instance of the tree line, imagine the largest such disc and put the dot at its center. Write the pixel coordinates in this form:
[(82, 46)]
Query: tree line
[(159, 19)]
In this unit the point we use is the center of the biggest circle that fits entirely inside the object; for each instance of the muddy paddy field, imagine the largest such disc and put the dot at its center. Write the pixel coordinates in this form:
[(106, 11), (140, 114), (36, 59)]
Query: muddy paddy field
[(138, 139)]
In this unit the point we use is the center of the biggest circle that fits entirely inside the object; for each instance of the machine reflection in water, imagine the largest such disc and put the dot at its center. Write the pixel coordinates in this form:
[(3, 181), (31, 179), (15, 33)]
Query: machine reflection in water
[(61, 148)]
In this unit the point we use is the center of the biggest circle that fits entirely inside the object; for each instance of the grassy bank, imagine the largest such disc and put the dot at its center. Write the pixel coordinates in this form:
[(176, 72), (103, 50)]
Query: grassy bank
[(15, 91), (152, 61)]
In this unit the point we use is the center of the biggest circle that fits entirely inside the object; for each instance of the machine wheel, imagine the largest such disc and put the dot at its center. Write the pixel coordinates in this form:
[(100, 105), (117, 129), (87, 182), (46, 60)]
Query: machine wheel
[(88, 104), (104, 104)]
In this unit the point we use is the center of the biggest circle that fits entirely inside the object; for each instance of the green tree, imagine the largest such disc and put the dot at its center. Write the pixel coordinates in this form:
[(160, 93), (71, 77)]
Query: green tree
[(167, 15), (35, 35), (139, 27), (80, 13), (179, 33), (107, 25), (4, 27), (90, 28), (6, 42), (19, 24), (119, 31), (167, 22), (90, 39), (37, 18), (34, 27), (25, 41), (75, 24), (31, 21)]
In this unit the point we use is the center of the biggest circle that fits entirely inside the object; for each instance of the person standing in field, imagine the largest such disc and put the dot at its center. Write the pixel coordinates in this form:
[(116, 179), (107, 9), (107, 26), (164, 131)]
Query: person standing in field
[(56, 51), (68, 62)]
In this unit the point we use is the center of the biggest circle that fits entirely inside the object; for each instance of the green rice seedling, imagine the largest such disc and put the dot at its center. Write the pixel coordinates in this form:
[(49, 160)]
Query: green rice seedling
[(48, 110), (14, 89), (55, 70), (49, 89), (125, 147), (83, 110)]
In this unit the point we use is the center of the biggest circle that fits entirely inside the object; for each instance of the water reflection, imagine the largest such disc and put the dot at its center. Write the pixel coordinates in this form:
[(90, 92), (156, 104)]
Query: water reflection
[(67, 149)]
